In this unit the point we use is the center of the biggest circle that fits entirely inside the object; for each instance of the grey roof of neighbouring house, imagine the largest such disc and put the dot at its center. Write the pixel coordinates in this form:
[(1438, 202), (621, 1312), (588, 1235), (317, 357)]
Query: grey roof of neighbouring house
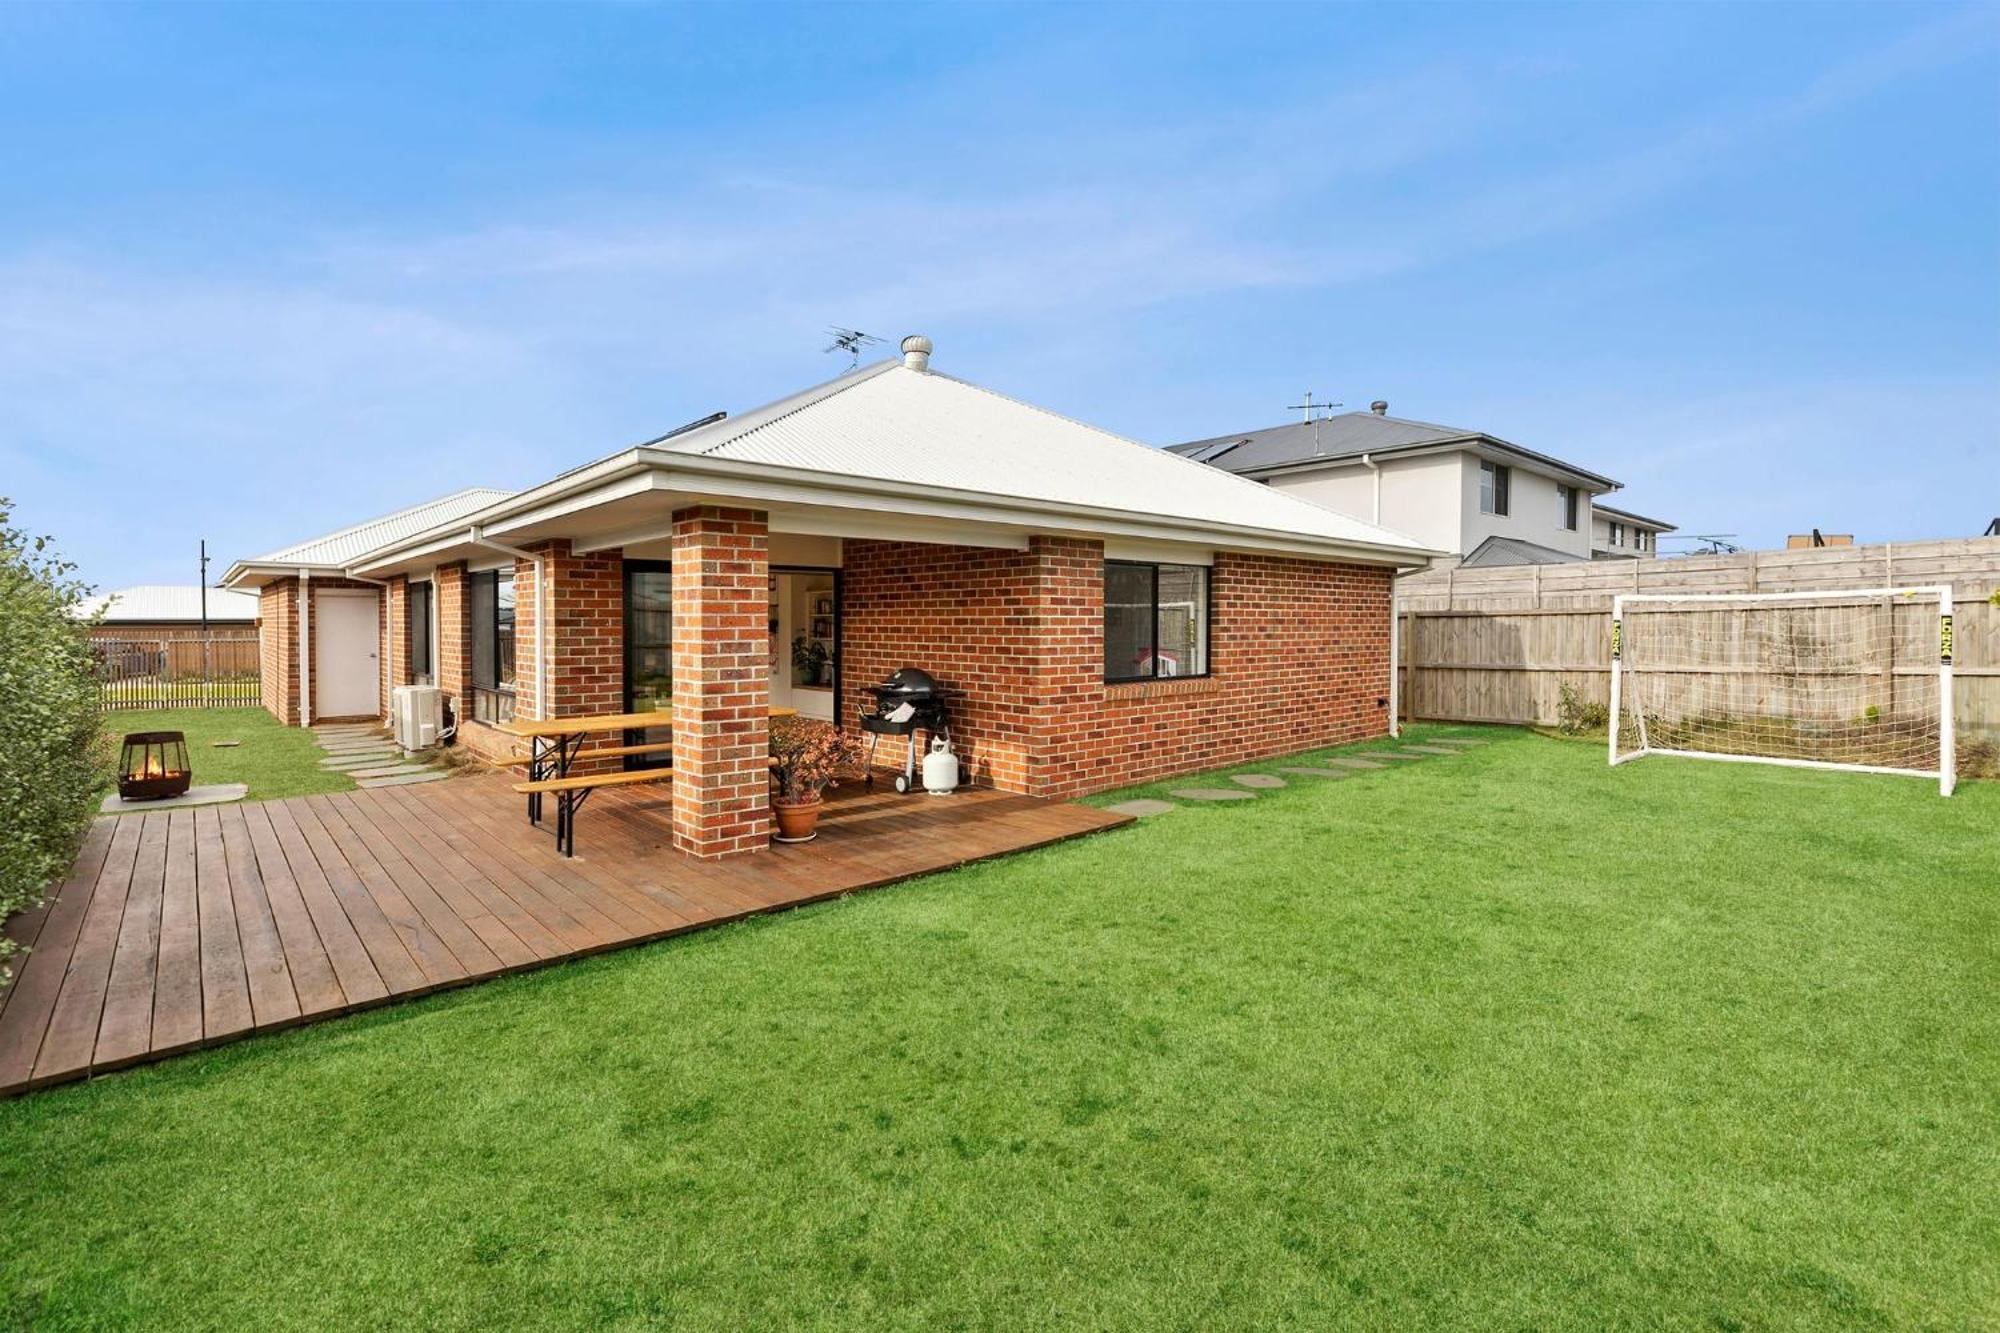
[(154, 602), (1345, 438), (1496, 551)]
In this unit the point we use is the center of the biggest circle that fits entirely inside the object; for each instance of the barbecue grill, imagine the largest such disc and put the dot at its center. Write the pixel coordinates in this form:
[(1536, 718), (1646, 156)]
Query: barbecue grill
[(919, 693)]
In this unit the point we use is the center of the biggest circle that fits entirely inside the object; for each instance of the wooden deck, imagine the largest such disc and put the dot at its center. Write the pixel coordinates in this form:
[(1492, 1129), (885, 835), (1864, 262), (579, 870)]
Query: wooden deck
[(188, 928)]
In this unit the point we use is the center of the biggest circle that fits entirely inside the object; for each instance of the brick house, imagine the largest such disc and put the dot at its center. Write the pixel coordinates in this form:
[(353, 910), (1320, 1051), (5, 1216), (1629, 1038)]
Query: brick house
[(1104, 612)]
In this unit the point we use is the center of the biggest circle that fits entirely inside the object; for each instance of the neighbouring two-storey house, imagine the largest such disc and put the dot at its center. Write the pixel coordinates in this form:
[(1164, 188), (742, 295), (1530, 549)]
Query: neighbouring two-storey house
[(1480, 498)]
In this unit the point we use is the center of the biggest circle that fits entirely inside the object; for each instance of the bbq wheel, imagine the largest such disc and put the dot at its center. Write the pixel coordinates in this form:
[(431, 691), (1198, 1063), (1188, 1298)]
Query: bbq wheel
[(902, 785)]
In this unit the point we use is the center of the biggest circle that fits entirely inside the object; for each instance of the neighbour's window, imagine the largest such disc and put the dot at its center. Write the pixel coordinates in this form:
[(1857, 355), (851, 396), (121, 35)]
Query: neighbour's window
[(493, 645), (1617, 534), (1493, 479), (420, 633), (1567, 495), (1155, 620)]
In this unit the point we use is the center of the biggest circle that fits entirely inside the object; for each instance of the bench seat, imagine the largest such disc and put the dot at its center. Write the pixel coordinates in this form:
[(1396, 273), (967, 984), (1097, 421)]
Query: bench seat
[(589, 781)]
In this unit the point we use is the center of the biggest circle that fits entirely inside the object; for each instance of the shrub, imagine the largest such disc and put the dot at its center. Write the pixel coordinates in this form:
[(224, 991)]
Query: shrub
[(810, 755), (52, 752), (1576, 714)]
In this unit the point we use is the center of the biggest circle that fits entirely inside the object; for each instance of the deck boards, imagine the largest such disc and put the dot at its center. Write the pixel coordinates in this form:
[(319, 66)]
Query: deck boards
[(188, 928)]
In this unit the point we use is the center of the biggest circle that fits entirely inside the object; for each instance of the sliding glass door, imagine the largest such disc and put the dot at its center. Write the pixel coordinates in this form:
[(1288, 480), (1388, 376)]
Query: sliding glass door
[(649, 654)]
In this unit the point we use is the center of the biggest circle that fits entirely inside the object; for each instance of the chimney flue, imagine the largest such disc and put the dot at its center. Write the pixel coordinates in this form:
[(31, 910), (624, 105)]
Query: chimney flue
[(917, 352), (1380, 407)]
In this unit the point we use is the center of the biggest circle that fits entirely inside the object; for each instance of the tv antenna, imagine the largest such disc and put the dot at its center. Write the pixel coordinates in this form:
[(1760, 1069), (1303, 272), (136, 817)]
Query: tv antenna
[(1711, 543), (1315, 413), (850, 341)]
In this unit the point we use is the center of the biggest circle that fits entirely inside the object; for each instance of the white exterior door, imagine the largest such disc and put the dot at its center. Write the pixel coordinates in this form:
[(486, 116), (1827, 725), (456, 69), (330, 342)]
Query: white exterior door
[(346, 644)]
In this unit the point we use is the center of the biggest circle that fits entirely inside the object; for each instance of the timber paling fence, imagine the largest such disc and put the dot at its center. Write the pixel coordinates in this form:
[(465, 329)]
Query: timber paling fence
[(1498, 645), (141, 672)]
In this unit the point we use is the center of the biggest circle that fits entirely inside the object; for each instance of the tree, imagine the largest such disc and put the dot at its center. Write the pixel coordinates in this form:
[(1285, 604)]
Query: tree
[(52, 749)]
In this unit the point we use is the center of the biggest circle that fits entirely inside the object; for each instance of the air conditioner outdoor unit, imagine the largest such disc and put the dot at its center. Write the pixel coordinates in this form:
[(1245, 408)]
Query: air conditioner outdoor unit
[(416, 714)]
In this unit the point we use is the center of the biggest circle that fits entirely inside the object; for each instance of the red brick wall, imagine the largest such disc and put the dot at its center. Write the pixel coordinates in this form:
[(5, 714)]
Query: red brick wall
[(278, 642), (587, 641), (721, 564), (1299, 654), (278, 649), (395, 638)]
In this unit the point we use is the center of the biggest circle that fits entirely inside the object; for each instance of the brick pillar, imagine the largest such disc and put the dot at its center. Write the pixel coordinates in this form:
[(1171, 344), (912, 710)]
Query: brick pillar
[(1065, 577), (722, 783), (453, 610)]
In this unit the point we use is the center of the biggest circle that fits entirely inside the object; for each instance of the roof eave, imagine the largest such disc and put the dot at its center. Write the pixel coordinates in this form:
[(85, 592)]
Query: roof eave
[(592, 485)]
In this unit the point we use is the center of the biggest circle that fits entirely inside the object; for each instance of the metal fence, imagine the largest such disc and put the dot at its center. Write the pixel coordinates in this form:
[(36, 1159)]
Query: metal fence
[(217, 672)]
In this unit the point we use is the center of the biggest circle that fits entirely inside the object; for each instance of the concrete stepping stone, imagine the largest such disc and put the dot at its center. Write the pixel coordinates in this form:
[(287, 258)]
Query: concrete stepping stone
[(1345, 761), (1398, 754), (405, 779), (1212, 794), (355, 765), (215, 794), (1453, 740), (382, 755), (389, 771), (1141, 808), (1321, 772), (358, 743), (1264, 781), (1428, 749)]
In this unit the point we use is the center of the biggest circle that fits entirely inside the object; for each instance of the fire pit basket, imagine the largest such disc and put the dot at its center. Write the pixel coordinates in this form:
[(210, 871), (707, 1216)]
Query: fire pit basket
[(153, 765)]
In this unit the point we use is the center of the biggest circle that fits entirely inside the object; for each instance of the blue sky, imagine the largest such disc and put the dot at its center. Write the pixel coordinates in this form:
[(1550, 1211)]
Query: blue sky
[(265, 271)]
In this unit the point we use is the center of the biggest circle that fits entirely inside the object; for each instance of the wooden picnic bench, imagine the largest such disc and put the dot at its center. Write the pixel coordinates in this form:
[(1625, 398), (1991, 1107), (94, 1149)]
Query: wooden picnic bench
[(556, 743)]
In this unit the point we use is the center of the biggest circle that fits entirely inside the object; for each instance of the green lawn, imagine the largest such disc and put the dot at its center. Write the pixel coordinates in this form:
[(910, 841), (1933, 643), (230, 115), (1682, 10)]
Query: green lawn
[(1508, 1040), (274, 759)]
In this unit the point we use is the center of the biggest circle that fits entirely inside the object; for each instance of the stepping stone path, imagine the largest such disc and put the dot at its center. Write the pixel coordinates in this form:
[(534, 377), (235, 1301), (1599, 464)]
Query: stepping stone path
[(1141, 808), (1337, 766), (1453, 740), (363, 753)]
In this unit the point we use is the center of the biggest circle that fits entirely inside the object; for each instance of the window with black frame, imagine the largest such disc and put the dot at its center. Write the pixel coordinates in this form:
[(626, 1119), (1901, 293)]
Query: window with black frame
[(493, 645), (421, 668), (1155, 621)]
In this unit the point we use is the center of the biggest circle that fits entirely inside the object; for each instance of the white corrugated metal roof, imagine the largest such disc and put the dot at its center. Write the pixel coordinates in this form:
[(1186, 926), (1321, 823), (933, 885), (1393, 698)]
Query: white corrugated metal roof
[(923, 428), (171, 601), (338, 548)]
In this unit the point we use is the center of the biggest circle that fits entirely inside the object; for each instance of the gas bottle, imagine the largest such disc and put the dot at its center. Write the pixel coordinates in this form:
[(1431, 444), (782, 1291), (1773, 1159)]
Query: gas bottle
[(940, 768)]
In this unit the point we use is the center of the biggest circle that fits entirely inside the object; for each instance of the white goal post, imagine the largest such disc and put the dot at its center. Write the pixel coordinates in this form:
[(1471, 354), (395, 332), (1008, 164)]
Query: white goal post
[(1855, 679)]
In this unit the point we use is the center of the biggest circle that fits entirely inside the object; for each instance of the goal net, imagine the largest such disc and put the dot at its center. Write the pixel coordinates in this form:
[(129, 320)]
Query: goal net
[(1856, 680)]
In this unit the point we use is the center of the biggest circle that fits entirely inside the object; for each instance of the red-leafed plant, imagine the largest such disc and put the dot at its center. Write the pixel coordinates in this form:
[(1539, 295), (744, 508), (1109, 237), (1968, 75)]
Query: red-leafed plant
[(811, 756)]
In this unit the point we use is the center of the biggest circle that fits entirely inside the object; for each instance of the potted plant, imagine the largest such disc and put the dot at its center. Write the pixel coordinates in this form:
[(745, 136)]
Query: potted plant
[(809, 660), (809, 756)]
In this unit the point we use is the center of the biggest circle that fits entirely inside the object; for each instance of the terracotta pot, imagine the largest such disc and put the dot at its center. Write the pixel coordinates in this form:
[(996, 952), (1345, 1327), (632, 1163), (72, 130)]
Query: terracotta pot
[(798, 821)]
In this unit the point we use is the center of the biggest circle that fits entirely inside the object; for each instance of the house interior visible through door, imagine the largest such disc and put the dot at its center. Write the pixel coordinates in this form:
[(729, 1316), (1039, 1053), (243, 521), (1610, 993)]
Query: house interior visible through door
[(805, 640)]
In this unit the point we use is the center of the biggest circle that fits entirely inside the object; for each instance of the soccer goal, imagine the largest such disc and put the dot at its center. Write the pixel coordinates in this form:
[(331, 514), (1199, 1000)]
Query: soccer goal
[(1857, 680)]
